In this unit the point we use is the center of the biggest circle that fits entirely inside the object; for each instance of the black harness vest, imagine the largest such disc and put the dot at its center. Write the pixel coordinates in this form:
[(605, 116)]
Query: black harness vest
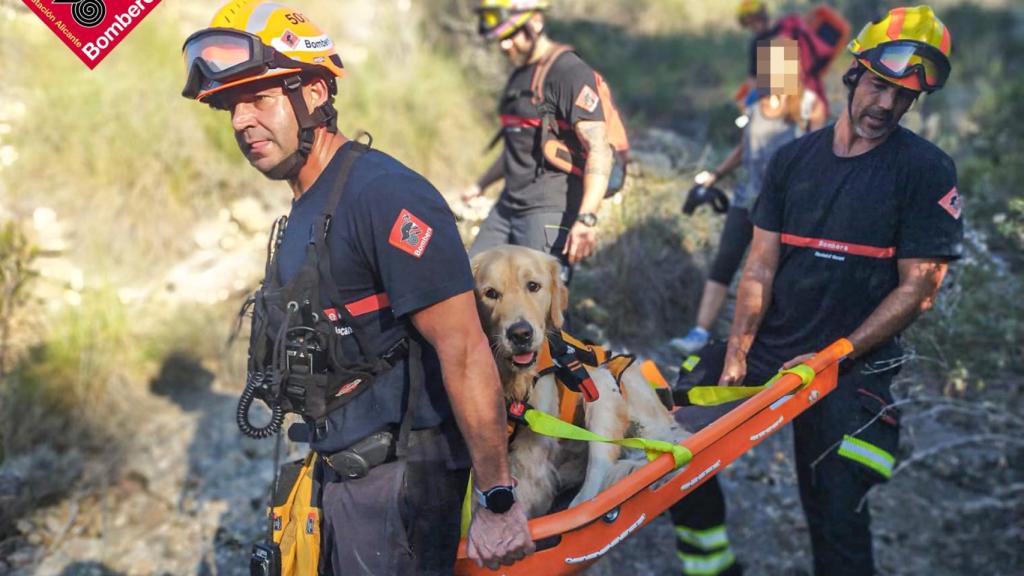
[(296, 362)]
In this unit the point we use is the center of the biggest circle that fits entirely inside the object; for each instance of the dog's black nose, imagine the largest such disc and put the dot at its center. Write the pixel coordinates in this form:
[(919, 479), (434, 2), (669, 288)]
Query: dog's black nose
[(520, 333)]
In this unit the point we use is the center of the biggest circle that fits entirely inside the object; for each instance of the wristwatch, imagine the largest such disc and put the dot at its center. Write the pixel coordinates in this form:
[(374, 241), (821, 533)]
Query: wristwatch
[(498, 499), (588, 219)]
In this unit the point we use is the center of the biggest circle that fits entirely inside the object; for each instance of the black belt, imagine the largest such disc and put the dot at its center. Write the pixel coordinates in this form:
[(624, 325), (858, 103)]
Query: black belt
[(357, 460)]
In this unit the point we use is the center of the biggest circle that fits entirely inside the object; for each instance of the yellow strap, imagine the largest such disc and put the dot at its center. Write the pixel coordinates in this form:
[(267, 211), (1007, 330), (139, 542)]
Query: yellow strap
[(547, 425), (467, 506), (715, 395)]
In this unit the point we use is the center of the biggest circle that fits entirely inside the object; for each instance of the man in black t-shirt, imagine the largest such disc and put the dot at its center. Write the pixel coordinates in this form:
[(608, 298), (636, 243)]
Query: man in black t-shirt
[(854, 229), (542, 207), (389, 274)]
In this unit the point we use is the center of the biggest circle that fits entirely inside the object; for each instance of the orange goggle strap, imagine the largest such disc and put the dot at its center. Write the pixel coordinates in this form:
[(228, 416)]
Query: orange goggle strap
[(892, 60)]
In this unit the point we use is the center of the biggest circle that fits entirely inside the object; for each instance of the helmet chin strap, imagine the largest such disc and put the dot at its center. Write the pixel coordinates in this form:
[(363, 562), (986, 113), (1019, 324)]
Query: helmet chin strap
[(850, 79), (323, 115)]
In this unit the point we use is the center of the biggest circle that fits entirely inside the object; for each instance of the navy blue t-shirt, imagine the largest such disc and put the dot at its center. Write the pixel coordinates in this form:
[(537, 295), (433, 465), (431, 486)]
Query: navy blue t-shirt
[(394, 250), (844, 223)]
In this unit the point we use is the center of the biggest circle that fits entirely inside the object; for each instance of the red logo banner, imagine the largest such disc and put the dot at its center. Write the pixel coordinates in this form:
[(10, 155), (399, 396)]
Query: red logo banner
[(91, 28)]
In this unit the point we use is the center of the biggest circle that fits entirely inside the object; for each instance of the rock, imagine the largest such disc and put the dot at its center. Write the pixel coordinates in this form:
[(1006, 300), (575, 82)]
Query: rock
[(251, 215), (60, 271), (47, 231)]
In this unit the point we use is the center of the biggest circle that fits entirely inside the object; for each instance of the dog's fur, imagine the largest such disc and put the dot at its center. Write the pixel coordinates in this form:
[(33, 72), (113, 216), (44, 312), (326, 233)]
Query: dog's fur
[(521, 298)]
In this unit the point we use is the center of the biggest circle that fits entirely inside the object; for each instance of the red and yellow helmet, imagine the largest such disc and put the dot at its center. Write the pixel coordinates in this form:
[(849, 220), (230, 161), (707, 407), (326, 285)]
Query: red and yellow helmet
[(909, 47), (500, 19), (251, 40), (748, 8)]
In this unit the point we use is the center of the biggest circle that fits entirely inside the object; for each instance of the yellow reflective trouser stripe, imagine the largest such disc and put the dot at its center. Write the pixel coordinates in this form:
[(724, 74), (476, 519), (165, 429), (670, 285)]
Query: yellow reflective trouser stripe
[(715, 395), (690, 363), (706, 564), (867, 454), (710, 539)]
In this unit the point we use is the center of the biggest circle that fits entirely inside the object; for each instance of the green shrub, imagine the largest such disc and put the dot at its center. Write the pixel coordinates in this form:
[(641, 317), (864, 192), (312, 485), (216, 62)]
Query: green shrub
[(67, 389), (16, 256)]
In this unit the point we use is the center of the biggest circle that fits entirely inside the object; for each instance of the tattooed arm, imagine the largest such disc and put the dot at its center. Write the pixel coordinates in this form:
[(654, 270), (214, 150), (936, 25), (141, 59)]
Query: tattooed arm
[(594, 135)]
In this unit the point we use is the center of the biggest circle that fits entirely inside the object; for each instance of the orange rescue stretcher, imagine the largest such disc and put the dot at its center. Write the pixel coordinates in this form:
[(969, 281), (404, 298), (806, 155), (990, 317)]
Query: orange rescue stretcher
[(571, 540)]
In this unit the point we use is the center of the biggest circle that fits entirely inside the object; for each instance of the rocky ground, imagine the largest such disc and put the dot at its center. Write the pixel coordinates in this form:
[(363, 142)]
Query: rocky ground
[(191, 495)]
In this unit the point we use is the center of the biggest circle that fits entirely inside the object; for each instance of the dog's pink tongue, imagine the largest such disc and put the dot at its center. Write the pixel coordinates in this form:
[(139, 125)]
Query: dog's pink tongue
[(523, 358)]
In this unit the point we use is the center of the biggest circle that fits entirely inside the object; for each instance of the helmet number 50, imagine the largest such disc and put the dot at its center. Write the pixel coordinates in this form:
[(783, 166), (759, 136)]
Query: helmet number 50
[(295, 18)]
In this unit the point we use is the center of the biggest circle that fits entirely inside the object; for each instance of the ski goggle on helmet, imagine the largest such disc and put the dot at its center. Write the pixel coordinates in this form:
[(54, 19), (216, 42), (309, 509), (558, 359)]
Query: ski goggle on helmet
[(250, 40), (500, 19), (909, 47)]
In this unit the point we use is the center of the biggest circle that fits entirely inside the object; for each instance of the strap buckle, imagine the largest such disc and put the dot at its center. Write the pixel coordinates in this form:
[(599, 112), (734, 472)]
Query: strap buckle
[(517, 411), (574, 376), (396, 353)]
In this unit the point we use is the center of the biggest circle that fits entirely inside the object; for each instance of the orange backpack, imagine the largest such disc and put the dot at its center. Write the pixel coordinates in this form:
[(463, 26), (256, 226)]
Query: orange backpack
[(563, 150)]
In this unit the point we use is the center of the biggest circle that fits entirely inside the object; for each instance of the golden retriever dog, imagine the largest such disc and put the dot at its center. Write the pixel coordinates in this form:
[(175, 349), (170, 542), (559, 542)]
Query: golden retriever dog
[(521, 298)]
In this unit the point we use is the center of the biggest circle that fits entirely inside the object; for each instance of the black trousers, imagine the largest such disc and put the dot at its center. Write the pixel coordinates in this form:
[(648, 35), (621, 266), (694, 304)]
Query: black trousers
[(736, 236), (844, 445), (402, 518)]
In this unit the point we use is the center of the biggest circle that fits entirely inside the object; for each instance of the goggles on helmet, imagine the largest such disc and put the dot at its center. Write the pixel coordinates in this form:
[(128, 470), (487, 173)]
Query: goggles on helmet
[(223, 55), (904, 58), (498, 23)]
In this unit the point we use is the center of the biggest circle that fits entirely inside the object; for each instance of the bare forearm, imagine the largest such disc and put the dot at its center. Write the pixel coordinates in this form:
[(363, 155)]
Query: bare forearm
[(598, 167), (731, 162), (475, 393), (753, 298), (899, 309), (595, 179)]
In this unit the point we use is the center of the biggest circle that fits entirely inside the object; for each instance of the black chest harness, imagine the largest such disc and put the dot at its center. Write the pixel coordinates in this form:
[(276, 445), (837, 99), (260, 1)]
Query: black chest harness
[(301, 356)]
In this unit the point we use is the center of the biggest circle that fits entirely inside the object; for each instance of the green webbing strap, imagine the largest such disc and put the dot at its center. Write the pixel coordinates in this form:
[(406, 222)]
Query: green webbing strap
[(715, 395), (548, 425)]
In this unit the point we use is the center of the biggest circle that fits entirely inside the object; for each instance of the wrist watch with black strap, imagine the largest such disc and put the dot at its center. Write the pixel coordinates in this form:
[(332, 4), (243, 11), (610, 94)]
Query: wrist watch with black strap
[(588, 219), (498, 499)]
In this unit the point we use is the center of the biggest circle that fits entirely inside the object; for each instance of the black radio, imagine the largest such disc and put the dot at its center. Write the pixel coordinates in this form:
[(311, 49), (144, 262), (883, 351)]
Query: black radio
[(265, 560), (304, 353)]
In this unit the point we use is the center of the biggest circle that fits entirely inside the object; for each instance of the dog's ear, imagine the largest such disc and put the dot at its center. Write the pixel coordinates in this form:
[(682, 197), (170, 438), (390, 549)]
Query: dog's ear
[(559, 294), (475, 262)]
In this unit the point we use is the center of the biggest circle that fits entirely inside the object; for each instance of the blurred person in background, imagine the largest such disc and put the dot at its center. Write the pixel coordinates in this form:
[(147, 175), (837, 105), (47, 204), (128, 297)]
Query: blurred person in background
[(784, 111), (541, 207)]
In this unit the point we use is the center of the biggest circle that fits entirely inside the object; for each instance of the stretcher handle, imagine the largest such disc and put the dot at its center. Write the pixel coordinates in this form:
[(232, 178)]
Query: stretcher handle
[(591, 510)]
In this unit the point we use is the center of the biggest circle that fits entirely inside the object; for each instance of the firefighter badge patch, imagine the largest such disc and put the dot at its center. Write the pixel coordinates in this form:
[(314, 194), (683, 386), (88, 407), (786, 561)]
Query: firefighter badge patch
[(588, 99), (951, 203), (410, 234)]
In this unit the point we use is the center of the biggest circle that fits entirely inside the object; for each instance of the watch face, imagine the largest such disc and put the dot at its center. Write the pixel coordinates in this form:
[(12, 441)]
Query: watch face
[(500, 499), (588, 219)]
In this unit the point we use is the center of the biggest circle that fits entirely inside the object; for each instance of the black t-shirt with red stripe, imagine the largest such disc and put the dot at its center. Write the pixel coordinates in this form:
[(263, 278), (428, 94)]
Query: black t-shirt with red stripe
[(394, 250), (570, 88), (844, 223)]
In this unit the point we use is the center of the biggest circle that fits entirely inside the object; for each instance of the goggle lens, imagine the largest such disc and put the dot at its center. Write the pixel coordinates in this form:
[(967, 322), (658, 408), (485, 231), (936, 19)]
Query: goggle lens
[(900, 60), (219, 51)]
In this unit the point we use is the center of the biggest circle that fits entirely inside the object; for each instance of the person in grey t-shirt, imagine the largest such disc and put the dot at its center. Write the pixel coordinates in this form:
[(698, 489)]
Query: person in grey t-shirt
[(783, 113)]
